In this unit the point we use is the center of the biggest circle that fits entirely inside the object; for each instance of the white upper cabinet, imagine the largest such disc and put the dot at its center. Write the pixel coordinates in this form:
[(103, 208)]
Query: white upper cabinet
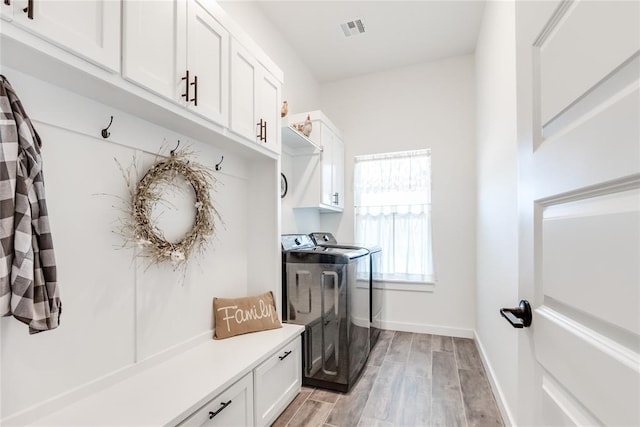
[(243, 91), (177, 49), (319, 178), (332, 167), (255, 99), (154, 42), (326, 158), (337, 173), (268, 109), (89, 28), (208, 61)]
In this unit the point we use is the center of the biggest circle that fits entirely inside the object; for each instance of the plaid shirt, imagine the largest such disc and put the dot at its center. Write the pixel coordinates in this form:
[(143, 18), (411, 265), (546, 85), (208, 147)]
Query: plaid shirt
[(28, 287)]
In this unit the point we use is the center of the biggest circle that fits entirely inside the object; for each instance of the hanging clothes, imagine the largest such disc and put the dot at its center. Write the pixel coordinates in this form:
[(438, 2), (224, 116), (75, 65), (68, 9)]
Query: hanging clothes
[(28, 277)]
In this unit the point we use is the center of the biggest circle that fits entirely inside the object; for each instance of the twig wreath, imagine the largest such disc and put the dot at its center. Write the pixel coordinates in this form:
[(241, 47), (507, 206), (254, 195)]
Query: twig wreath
[(140, 227)]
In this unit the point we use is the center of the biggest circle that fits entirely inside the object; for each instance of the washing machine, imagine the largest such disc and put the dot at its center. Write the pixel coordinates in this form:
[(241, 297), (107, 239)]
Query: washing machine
[(371, 272), (318, 288)]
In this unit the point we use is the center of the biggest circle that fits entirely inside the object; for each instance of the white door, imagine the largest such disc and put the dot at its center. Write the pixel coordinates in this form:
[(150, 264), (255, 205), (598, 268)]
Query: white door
[(208, 63), (231, 408), (578, 68), (88, 28), (243, 91), (154, 43), (327, 136), (268, 102), (337, 175), (277, 380)]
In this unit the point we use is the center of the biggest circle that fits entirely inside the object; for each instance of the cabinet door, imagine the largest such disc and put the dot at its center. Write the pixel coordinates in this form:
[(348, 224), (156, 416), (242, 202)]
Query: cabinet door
[(154, 43), (89, 28), (268, 104), (337, 178), (208, 62), (243, 91), (277, 381), (233, 407), (327, 137)]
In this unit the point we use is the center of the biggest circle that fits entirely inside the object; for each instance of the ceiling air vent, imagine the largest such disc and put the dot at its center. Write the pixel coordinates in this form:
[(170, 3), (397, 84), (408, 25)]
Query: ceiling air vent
[(352, 28)]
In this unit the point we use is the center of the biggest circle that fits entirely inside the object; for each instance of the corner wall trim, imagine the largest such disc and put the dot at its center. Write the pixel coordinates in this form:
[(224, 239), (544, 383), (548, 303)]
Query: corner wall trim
[(506, 413)]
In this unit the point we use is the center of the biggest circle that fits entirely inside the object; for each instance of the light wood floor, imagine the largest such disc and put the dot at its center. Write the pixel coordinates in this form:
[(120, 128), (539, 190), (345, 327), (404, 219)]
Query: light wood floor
[(410, 380)]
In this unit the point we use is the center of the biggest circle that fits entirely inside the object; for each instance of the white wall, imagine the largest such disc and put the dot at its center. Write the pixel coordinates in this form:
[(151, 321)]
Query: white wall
[(115, 312), (300, 89), (430, 105), (497, 221)]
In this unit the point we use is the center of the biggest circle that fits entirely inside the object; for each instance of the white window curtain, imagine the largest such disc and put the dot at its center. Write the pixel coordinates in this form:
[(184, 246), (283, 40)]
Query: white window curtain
[(392, 194)]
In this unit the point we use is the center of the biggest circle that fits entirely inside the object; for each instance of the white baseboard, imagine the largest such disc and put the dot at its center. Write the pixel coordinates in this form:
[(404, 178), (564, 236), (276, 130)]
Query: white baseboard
[(428, 329), (507, 415), (34, 413)]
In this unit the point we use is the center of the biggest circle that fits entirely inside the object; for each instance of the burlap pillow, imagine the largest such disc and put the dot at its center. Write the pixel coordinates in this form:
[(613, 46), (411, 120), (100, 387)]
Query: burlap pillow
[(235, 316)]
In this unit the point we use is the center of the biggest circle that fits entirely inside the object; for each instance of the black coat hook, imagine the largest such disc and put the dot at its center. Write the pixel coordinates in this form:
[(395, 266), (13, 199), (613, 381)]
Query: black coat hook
[(105, 131), (174, 150), (218, 165)]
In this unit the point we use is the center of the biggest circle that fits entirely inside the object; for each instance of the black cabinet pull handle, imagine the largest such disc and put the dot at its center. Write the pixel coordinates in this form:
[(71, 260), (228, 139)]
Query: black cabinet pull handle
[(7, 2), (519, 317), (224, 405), (28, 10), (195, 90), (185, 95), (286, 353), (262, 129)]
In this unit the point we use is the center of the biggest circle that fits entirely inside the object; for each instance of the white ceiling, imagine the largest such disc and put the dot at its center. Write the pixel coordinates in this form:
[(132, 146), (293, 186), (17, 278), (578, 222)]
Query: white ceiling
[(397, 33)]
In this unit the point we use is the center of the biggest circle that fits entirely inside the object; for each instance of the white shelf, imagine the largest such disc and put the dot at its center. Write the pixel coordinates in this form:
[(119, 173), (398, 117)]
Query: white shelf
[(296, 143)]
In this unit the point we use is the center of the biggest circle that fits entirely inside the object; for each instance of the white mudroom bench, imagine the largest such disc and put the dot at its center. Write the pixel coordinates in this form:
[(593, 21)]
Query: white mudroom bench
[(244, 380)]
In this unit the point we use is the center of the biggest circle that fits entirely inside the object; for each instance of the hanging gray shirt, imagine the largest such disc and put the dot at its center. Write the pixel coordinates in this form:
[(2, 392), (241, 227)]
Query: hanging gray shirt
[(28, 278)]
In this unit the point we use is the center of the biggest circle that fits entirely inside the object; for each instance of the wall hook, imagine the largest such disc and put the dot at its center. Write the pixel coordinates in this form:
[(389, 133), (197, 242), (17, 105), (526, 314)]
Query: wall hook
[(218, 165), (173, 152), (105, 131)]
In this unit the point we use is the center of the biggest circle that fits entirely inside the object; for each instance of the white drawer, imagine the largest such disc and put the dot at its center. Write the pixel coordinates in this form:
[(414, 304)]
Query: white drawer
[(232, 407), (277, 381)]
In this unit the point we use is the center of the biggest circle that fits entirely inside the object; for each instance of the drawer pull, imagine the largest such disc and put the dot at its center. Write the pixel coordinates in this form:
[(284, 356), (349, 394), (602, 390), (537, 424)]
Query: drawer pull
[(286, 353), (224, 405)]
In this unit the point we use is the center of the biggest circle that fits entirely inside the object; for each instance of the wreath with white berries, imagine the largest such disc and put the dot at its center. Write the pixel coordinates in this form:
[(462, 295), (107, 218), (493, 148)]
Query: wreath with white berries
[(142, 229)]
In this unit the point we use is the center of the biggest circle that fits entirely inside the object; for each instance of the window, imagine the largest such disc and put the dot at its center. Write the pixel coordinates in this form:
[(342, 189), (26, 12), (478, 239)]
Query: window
[(392, 195)]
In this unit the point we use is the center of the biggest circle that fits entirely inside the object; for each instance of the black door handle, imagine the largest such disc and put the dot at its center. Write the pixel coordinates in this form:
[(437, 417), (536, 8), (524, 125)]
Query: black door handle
[(519, 317)]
